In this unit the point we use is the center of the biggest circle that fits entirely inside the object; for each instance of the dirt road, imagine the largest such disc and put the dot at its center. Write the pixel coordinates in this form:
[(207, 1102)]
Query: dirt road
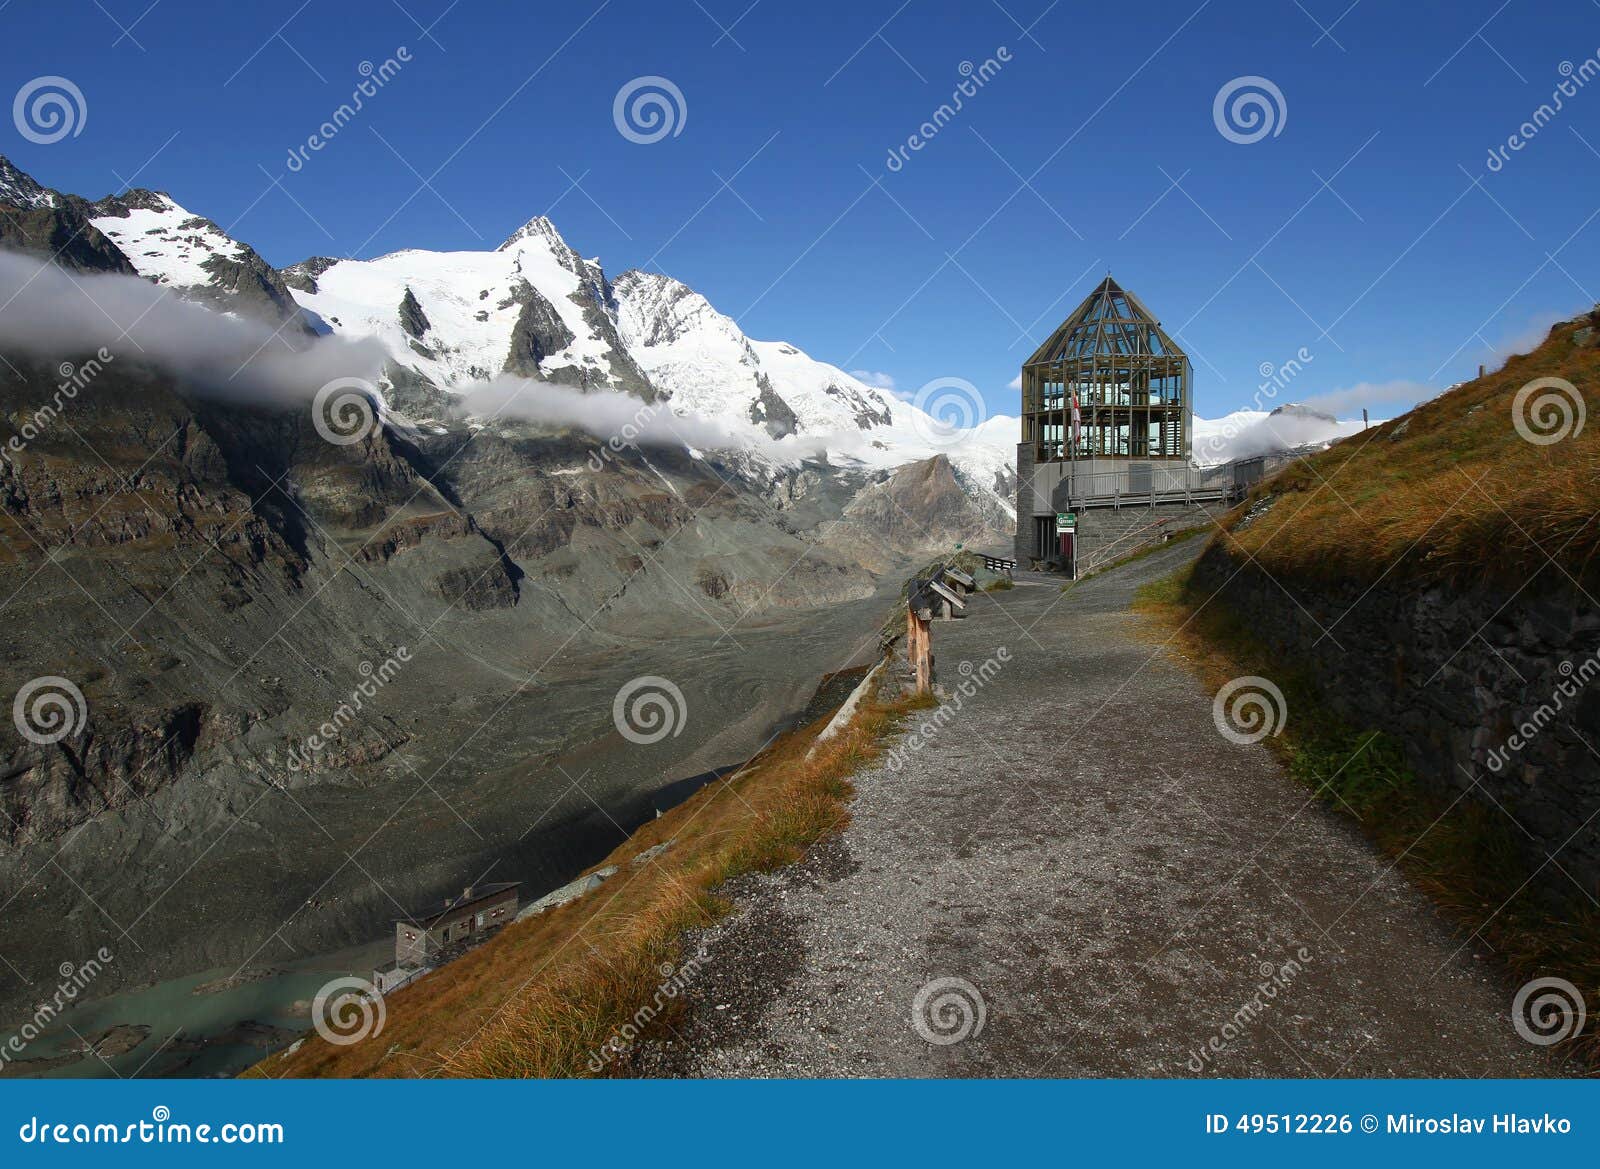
[(1078, 875)]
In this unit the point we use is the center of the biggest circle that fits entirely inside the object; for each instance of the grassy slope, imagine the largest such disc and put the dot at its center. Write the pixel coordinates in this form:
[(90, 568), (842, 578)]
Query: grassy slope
[(1405, 489), (541, 997)]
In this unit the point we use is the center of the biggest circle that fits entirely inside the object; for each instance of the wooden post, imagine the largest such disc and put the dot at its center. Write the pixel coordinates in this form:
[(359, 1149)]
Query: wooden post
[(917, 649), (911, 639), (924, 658)]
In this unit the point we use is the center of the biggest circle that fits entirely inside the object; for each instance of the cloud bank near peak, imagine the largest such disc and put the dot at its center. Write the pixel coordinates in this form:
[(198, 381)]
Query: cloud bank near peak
[(48, 312)]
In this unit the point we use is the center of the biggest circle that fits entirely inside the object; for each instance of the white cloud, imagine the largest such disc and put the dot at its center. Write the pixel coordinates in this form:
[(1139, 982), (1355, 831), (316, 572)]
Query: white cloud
[(1015, 383), (884, 381), (51, 312), (1245, 433), (630, 420), (1401, 393), (1532, 334)]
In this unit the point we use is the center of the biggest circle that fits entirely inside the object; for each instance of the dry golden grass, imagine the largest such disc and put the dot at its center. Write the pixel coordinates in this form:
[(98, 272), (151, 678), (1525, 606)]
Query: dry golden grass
[(1448, 492), (543, 996)]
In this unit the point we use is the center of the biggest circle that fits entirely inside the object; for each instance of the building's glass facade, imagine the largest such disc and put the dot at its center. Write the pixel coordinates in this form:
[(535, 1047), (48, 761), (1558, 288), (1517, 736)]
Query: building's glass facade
[(1132, 384)]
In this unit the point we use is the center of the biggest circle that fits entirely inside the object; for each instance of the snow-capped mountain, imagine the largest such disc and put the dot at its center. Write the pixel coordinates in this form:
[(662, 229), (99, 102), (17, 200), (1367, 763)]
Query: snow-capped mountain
[(169, 245), (534, 307), (166, 243), (708, 366), (988, 454)]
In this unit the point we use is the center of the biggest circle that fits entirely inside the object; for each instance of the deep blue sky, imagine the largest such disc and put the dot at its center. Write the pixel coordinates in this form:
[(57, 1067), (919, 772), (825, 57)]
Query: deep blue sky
[(952, 268)]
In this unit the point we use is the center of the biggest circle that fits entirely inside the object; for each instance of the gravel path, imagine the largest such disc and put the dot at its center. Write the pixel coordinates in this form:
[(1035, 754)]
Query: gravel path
[(1127, 892)]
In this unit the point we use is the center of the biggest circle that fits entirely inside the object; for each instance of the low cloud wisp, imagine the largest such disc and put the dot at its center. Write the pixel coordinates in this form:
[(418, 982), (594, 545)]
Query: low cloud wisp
[(47, 311)]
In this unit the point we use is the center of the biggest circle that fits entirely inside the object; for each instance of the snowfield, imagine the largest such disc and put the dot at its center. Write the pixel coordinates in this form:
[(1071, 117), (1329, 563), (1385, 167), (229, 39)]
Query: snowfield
[(169, 245)]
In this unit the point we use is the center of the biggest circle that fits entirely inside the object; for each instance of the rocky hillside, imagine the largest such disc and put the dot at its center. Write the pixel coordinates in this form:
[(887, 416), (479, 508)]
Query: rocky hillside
[(212, 572), (920, 506)]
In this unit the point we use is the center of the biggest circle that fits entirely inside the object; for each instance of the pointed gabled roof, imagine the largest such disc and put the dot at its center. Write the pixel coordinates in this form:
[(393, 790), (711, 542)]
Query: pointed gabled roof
[(1111, 322)]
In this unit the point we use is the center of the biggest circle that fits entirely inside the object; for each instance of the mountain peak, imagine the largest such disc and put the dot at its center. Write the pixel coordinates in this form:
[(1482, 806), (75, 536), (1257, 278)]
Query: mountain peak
[(659, 310), (540, 228), (138, 199), (20, 188), (657, 288), (639, 276), (1296, 410)]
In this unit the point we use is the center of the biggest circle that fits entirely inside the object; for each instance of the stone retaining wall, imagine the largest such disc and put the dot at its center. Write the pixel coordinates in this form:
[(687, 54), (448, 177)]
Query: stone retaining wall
[(1494, 691), (1107, 535)]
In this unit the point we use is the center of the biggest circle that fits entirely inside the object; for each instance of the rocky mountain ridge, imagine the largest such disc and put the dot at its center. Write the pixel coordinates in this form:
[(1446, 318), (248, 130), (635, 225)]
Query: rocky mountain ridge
[(214, 576), (533, 307)]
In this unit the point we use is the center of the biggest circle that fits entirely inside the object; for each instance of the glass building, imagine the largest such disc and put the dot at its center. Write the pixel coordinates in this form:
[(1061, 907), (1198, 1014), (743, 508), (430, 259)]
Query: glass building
[(1131, 382)]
